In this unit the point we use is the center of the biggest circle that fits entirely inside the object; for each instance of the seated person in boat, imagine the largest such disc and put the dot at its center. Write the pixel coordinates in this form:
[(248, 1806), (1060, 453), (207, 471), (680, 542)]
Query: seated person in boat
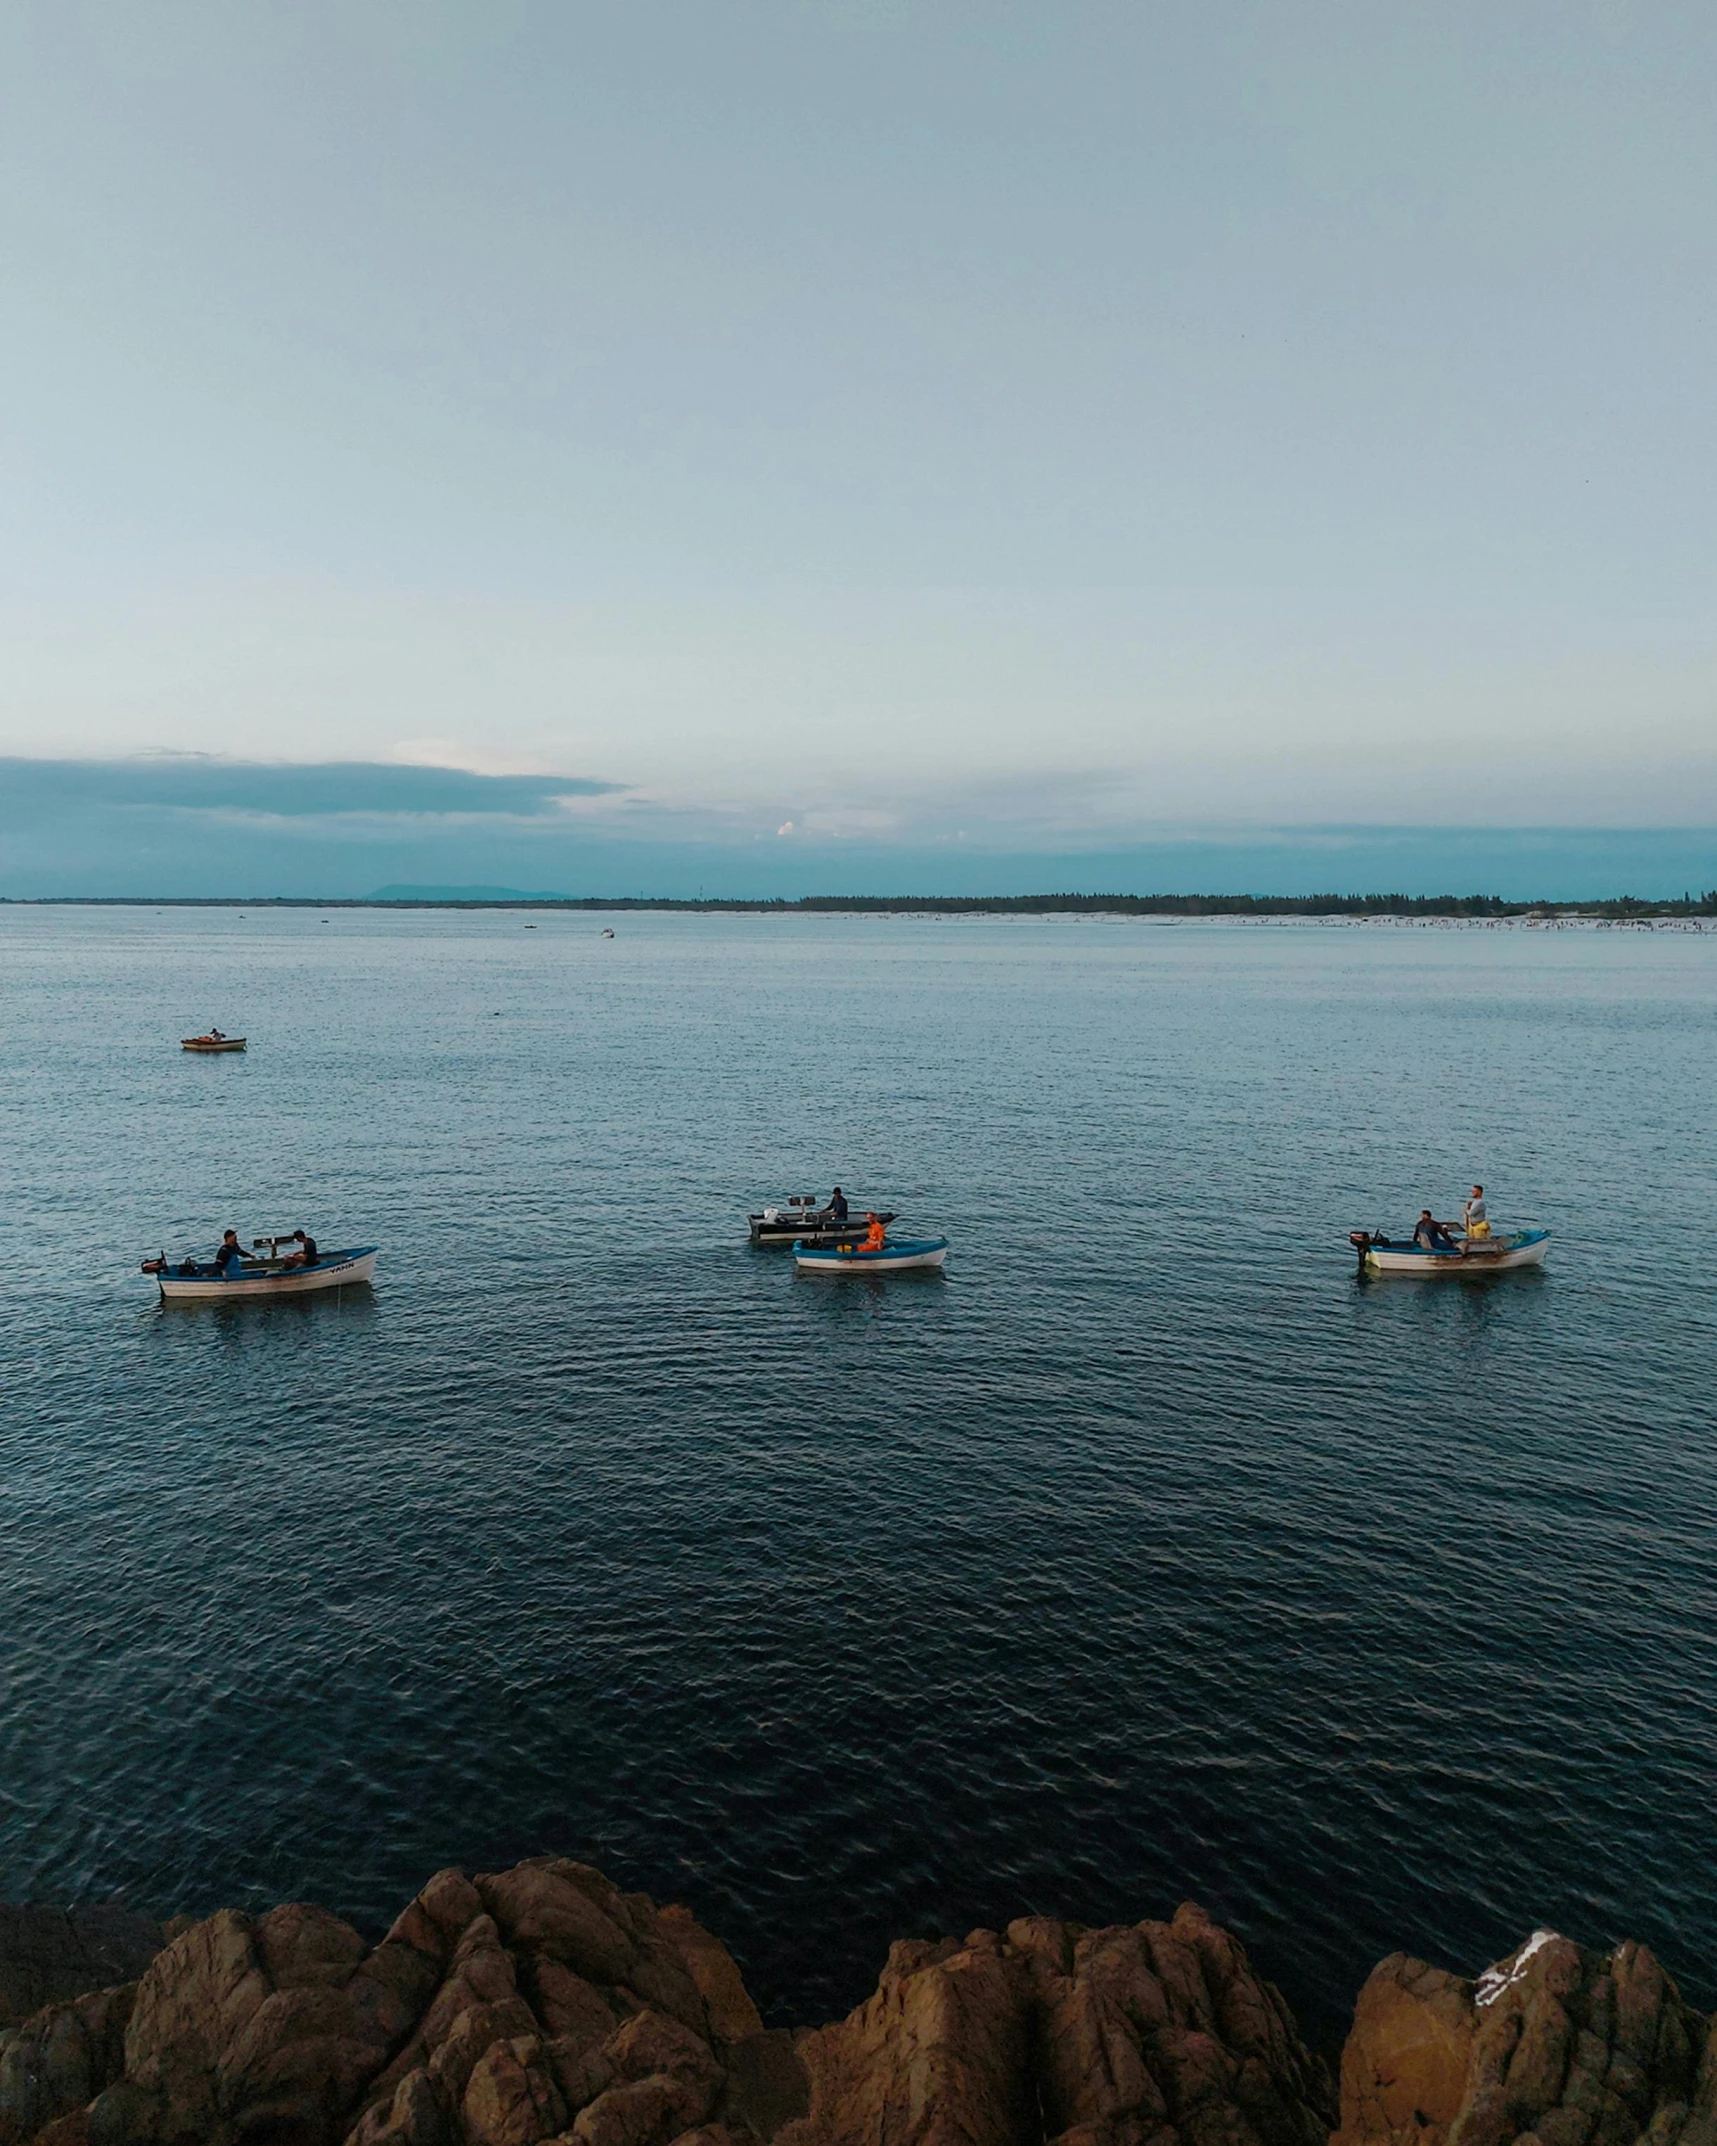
[(229, 1255), (873, 1236), (837, 1209), (1430, 1235), (305, 1256)]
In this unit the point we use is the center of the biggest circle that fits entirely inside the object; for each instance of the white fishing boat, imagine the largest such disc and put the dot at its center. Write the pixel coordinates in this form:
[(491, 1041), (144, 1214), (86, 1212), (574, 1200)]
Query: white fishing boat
[(852, 1257), (198, 1280), (214, 1040), (1466, 1256)]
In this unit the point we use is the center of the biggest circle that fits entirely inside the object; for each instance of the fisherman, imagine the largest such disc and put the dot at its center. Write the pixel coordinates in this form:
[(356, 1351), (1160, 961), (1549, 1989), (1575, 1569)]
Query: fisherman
[(229, 1255), (873, 1235), (305, 1256), (1430, 1235), (837, 1209), (1478, 1220)]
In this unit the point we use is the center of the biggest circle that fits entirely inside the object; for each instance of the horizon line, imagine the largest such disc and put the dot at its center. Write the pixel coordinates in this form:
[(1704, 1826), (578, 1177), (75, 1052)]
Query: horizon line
[(1475, 905)]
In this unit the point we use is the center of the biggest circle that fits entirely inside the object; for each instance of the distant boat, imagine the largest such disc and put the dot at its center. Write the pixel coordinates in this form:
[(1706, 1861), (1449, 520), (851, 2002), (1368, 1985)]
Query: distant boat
[(850, 1257), (198, 1280), (800, 1219), (607, 931), (1471, 1255), (213, 1041)]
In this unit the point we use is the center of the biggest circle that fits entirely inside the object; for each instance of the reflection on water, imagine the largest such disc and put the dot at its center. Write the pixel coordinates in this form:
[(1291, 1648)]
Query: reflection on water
[(1140, 1553)]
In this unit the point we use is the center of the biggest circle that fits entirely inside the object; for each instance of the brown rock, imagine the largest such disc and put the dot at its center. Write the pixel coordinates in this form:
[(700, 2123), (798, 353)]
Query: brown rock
[(471, 2036), (300, 1946), (193, 2002), (767, 2086), (581, 2072), (1404, 2065), (392, 1988), (1553, 2045), (1153, 2035), (540, 1910), (435, 1921), (727, 2004), (414, 2116), (299, 2067), (1163, 2028), (269, 2031), (69, 2130), (60, 2060), (651, 2043), (940, 2056), (480, 1973), (659, 1978), (568, 2006), (642, 2112), (512, 2099)]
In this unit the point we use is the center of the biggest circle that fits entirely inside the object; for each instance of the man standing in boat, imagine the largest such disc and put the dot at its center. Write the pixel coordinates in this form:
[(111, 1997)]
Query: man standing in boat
[(837, 1208), (1478, 1219)]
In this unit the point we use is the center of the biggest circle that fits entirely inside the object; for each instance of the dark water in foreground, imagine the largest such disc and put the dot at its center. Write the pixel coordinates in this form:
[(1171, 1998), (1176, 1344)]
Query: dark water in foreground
[(1145, 1555)]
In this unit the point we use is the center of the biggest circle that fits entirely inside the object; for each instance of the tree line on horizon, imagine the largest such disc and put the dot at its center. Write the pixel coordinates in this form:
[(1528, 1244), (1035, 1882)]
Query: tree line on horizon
[(1617, 908)]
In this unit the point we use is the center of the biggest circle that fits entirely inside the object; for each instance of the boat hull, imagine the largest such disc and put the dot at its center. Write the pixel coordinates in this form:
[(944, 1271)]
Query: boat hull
[(892, 1259), (207, 1049), (338, 1270), (1514, 1248), (808, 1228)]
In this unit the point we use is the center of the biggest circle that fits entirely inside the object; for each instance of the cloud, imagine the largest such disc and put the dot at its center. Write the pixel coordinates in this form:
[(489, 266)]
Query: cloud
[(189, 824), (328, 790)]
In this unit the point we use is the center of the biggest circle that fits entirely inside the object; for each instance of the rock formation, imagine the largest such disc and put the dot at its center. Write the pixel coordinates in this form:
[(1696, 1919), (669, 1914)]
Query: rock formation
[(1554, 2046), (541, 2004), (1158, 2033)]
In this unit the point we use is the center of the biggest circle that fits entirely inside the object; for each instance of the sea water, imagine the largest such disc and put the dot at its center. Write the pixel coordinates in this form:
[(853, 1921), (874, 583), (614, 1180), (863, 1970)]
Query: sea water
[(1147, 1553)]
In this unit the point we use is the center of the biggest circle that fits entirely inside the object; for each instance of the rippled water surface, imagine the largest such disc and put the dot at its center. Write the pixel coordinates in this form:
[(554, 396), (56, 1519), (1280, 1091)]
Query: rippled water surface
[(1145, 1555)]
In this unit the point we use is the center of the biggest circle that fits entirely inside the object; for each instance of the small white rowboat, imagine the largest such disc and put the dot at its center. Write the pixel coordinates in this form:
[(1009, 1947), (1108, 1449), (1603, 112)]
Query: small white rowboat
[(213, 1041), (332, 1270), (1476, 1255), (852, 1258)]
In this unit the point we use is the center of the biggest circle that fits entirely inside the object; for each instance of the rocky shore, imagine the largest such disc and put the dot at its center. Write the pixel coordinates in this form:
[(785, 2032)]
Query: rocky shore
[(543, 2004)]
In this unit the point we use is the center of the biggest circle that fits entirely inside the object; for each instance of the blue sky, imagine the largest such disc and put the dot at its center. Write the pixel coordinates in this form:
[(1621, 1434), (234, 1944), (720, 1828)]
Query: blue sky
[(859, 438)]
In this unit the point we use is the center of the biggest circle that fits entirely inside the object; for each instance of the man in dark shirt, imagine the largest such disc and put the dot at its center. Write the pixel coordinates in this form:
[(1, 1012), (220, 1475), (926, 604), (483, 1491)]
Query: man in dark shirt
[(229, 1255), (1430, 1235), (837, 1209), (305, 1256)]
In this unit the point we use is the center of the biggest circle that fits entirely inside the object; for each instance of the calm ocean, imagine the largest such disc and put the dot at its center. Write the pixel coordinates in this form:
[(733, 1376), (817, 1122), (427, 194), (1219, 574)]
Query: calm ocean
[(1144, 1555)]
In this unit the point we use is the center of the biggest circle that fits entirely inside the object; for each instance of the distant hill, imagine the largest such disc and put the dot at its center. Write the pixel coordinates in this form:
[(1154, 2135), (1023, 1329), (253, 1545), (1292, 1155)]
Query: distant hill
[(460, 894)]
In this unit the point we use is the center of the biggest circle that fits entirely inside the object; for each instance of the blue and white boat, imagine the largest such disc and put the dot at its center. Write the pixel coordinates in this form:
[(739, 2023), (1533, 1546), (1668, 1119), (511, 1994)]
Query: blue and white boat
[(851, 1257), (193, 1280), (1468, 1256)]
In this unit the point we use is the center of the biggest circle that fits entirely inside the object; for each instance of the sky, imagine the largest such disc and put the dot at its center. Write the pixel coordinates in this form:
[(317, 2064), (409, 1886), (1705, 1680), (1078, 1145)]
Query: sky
[(833, 444)]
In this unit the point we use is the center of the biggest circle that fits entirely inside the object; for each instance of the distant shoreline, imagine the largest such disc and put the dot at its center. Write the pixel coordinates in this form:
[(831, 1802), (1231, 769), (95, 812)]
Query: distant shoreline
[(1616, 909)]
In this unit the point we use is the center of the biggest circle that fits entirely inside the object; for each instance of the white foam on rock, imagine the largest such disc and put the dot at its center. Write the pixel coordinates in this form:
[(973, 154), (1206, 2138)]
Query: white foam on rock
[(1495, 1980)]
